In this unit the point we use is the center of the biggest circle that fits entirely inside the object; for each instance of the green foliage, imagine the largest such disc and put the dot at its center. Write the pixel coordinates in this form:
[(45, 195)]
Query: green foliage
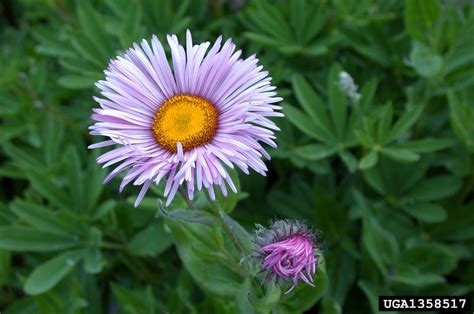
[(134, 302), (382, 165)]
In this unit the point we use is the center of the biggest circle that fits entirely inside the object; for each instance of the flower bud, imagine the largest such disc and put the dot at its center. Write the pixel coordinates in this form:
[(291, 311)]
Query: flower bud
[(288, 251), (347, 85)]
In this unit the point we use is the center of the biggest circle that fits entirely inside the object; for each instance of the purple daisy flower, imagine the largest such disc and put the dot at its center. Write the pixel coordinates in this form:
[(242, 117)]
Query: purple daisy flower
[(183, 124), (287, 251)]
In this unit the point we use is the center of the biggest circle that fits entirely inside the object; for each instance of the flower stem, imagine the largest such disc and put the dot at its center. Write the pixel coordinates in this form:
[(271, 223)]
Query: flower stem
[(225, 225)]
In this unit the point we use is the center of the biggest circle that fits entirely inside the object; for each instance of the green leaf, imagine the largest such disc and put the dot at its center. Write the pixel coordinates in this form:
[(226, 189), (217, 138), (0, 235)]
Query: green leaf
[(104, 209), (435, 188), (11, 130), (93, 183), (134, 301), (93, 260), (242, 299), (460, 54), (44, 219), (25, 305), (25, 157), (85, 49), (268, 302), (189, 215), (297, 17), (52, 137), (427, 145), (151, 241), (271, 20), (282, 201), (420, 17), (337, 101), (312, 104), (381, 245), (214, 275), (364, 138), (306, 125), (47, 188), (461, 117), (385, 122), (20, 239), (404, 123), (399, 154), (367, 94), (52, 302), (48, 44), (48, 274), (183, 292), (342, 271), (369, 160), (317, 49), (411, 275), (329, 216), (262, 39), (94, 237), (459, 225), (75, 179), (426, 62), (330, 306), (426, 212), (349, 160), (76, 81), (92, 26), (315, 151), (372, 292), (431, 258), (242, 235)]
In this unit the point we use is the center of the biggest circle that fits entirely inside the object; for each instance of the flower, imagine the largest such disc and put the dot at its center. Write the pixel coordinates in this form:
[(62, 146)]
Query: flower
[(287, 250), (347, 85), (184, 124)]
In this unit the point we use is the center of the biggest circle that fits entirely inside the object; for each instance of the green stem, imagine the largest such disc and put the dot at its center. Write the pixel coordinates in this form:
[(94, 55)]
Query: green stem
[(227, 228), (233, 264)]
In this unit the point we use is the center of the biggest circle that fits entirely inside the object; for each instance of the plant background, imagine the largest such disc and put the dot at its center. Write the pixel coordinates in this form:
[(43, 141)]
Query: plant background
[(387, 177)]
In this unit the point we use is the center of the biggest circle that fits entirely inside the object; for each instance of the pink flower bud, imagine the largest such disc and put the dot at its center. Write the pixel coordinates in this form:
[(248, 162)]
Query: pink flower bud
[(288, 250)]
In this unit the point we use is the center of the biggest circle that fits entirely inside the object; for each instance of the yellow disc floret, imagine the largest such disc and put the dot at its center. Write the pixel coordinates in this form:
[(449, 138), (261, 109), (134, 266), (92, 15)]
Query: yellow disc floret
[(187, 119)]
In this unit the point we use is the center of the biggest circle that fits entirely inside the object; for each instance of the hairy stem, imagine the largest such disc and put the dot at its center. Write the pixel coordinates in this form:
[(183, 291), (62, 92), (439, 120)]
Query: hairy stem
[(227, 228)]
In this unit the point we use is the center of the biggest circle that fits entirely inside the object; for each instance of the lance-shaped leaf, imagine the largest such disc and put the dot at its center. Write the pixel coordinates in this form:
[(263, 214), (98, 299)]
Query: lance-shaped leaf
[(46, 220), (337, 101), (427, 212), (133, 300), (304, 123), (420, 18), (312, 104), (219, 276), (21, 239), (315, 151), (48, 274), (404, 123)]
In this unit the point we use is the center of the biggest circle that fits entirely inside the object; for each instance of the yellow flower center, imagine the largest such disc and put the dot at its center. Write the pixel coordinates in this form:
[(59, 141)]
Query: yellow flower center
[(187, 119)]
